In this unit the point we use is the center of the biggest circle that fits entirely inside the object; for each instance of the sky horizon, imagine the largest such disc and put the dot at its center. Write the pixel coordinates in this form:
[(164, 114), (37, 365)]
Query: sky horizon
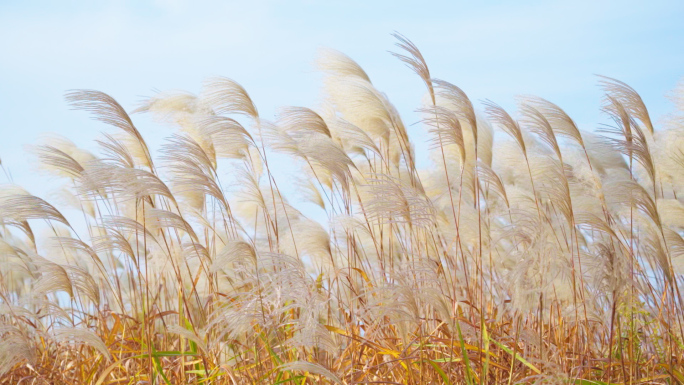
[(492, 50)]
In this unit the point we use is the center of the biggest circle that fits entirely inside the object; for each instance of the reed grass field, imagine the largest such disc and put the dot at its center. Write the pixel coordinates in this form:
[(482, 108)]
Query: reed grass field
[(529, 252)]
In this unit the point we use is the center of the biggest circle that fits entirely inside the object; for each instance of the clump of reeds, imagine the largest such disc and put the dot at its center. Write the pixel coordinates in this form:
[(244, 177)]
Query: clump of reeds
[(532, 252)]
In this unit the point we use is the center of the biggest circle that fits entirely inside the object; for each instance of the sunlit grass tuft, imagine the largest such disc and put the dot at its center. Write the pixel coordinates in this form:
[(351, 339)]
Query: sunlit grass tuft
[(530, 252)]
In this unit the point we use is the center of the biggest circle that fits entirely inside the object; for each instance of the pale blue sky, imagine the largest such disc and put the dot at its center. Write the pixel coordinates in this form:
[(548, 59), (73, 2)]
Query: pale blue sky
[(492, 50)]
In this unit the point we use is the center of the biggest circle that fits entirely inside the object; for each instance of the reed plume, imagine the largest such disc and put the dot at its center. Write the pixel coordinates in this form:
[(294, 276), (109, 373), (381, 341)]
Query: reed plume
[(529, 251)]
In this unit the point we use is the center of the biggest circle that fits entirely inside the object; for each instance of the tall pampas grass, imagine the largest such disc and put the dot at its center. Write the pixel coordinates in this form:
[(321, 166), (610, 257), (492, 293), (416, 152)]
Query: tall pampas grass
[(530, 252)]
